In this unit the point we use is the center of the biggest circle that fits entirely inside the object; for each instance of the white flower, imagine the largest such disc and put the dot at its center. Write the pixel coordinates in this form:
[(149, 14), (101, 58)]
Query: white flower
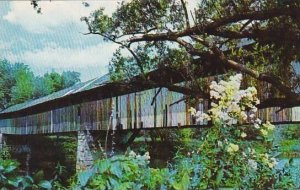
[(234, 108), (192, 111), (252, 164), (219, 88), (147, 156), (269, 126), (258, 121), (257, 101), (213, 104), (256, 126), (214, 94), (243, 135), (252, 115), (244, 115), (273, 162), (265, 158), (202, 116), (252, 90), (220, 144), (232, 148), (213, 84), (254, 109), (224, 116), (251, 151), (264, 132), (132, 154)]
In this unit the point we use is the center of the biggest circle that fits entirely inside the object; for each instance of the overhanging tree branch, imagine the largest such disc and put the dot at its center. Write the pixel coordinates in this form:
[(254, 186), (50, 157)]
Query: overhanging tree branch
[(212, 26)]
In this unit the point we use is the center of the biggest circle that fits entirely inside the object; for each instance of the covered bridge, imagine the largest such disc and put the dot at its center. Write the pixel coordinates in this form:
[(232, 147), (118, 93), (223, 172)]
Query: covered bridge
[(100, 104), (97, 104)]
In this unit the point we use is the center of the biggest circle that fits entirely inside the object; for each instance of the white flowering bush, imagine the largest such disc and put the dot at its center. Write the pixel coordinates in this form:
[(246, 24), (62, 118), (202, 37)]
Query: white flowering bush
[(227, 153), (129, 171), (235, 152)]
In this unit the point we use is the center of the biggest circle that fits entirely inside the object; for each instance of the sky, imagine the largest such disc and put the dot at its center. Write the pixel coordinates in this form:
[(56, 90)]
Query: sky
[(54, 40)]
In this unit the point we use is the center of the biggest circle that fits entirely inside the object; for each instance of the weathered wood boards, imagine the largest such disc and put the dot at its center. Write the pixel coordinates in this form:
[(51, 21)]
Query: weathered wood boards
[(134, 110)]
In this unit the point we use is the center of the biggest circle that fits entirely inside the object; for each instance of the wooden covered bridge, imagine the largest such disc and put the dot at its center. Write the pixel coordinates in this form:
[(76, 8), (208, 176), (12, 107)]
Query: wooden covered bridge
[(97, 104), (100, 104)]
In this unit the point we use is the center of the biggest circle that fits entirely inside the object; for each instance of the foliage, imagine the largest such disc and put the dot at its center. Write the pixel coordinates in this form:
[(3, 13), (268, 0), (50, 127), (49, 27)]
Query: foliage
[(69, 78), (5, 152), (8, 175), (18, 83), (23, 89), (228, 155), (11, 179), (292, 132), (122, 172), (8, 74), (200, 38)]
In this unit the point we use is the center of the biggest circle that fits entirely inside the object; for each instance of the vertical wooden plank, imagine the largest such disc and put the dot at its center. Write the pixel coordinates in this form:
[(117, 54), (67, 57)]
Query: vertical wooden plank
[(170, 108), (155, 112), (129, 111), (135, 111)]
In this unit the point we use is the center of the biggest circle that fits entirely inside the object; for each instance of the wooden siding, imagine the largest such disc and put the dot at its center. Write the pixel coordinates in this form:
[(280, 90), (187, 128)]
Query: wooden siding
[(130, 111)]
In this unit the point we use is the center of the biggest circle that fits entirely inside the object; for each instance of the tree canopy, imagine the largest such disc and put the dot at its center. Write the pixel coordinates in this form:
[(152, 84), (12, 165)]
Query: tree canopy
[(19, 84), (259, 38)]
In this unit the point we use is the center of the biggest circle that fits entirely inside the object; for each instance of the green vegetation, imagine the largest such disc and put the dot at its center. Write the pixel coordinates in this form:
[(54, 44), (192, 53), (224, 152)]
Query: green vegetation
[(18, 83), (229, 156), (259, 39), (292, 132), (12, 178)]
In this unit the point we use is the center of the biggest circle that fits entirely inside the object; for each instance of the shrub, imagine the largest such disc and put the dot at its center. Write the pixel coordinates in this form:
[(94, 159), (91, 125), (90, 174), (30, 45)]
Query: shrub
[(227, 155), (230, 155), (122, 172), (11, 179)]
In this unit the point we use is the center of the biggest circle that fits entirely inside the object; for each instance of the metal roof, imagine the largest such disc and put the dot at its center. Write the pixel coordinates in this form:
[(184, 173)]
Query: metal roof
[(162, 75), (80, 87)]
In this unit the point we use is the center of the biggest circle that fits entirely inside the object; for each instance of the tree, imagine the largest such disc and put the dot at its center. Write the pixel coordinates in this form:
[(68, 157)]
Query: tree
[(41, 87), (7, 81), (257, 38), (70, 78), (23, 88), (53, 81), (18, 83)]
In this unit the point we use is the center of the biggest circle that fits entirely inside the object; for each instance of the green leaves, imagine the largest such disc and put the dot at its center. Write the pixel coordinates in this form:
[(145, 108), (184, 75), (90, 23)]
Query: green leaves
[(45, 184), (219, 177), (116, 169), (183, 184), (84, 177), (103, 165), (10, 178), (19, 84), (122, 172)]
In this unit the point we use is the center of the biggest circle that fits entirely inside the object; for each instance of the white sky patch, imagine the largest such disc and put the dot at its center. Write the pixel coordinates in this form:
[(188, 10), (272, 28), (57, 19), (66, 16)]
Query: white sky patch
[(62, 59), (57, 13), (5, 45), (89, 60), (54, 13)]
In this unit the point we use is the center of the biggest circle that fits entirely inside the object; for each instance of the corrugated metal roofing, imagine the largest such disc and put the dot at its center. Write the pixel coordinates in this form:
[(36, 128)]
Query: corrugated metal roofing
[(80, 87)]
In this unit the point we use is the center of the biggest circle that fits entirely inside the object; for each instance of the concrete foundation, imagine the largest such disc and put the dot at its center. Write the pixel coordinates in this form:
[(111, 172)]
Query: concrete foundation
[(84, 154), (2, 141)]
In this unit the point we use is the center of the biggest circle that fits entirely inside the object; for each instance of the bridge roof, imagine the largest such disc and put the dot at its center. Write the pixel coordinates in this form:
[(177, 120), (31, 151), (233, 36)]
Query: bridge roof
[(77, 88), (102, 87)]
